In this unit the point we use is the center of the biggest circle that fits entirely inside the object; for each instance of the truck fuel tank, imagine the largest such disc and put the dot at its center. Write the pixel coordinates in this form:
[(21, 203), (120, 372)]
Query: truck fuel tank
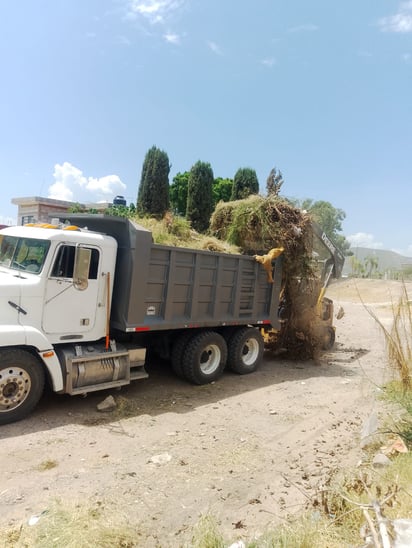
[(92, 367)]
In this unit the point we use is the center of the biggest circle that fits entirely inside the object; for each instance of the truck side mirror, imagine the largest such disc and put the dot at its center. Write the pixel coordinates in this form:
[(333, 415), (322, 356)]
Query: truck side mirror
[(81, 268)]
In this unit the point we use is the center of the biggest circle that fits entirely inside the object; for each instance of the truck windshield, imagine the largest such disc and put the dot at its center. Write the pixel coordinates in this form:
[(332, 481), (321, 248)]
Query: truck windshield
[(26, 254)]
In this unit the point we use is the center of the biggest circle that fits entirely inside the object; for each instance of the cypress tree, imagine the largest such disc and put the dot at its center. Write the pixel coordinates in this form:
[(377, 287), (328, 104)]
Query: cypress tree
[(153, 195), (200, 196), (245, 183)]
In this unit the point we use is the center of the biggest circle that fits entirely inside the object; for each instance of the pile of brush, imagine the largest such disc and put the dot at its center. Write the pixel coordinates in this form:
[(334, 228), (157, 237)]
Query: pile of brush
[(256, 225)]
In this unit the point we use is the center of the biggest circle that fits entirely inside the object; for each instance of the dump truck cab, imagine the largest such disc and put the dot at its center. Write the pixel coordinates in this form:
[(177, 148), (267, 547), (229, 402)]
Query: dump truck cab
[(44, 291)]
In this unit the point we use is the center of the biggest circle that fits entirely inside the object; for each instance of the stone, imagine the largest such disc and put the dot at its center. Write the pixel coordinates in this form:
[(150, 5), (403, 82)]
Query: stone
[(108, 404)]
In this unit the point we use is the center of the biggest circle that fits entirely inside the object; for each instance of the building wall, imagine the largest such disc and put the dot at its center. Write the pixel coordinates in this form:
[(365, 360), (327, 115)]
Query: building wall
[(42, 210)]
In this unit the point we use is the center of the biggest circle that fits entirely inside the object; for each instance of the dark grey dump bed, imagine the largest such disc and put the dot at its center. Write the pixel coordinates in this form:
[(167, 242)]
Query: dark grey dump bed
[(160, 287)]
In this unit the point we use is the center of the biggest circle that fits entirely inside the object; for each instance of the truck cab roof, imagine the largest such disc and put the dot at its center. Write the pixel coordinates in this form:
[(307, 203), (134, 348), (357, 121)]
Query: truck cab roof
[(49, 232)]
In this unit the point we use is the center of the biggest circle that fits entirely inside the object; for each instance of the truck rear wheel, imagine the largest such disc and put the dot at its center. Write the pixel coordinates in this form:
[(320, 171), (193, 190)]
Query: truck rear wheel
[(245, 350), (204, 357), (21, 384), (178, 349)]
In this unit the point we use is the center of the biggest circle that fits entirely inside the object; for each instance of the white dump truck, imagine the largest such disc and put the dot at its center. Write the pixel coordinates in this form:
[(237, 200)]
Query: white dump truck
[(82, 302)]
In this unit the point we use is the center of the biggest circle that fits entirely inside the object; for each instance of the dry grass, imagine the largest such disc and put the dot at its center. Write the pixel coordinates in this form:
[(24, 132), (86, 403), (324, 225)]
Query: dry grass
[(176, 231), (206, 534), (398, 338), (338, 516), (73, 527)]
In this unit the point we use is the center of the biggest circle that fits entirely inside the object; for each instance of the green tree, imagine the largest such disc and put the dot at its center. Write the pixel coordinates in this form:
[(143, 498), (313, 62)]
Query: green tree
[(76, 208), (245, 183), (357, 268), (371, 265), (222, 190), (199, 196), (119, 211), (330, 219), (153, 195), (274, 182), (178, 193)]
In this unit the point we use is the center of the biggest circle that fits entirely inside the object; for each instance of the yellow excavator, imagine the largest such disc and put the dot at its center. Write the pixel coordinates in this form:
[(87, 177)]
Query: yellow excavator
[(305, 312)]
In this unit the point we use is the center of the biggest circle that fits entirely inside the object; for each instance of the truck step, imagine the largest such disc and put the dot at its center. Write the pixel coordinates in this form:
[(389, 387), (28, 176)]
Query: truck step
[(138, 374)]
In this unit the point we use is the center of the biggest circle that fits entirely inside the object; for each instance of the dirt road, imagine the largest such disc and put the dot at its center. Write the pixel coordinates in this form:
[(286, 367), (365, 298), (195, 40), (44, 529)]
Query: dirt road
[(248, 450)]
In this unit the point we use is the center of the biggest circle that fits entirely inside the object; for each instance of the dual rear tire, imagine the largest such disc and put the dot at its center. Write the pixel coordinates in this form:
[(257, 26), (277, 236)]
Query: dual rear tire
[(202, 357)]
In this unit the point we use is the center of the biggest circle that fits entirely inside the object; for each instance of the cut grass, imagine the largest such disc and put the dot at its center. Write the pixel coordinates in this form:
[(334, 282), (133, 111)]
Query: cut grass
[(176, 231)]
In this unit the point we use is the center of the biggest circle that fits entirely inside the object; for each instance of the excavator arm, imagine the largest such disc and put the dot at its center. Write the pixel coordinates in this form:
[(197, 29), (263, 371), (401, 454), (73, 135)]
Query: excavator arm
[(336, 259)]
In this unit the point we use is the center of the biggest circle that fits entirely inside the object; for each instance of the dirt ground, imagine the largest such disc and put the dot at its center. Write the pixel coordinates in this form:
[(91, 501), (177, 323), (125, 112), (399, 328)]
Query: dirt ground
[(248, 450)]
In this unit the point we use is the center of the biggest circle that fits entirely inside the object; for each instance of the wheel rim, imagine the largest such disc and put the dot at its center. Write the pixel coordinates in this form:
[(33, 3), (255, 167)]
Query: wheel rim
[(250, 351), (210, 359), (15, 386)]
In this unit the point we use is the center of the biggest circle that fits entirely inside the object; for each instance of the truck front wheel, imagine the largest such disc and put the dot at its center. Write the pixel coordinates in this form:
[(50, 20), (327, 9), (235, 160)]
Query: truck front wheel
[(245, 350), (21, 384), (204, 357)]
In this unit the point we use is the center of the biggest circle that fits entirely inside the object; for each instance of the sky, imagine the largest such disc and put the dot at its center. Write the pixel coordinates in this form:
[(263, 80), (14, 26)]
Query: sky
[(320, 90)]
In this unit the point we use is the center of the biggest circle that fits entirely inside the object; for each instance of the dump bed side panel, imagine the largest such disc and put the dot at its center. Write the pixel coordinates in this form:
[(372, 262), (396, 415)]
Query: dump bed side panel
[(199, 288)]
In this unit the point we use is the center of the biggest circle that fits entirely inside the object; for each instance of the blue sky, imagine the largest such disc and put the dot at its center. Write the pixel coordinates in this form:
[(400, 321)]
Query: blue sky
[(321, 90)]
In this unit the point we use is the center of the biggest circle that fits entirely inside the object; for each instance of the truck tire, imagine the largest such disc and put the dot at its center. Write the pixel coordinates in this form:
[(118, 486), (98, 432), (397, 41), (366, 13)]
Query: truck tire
[(204, 357), (178, 349), (21, 384), (245, 350)]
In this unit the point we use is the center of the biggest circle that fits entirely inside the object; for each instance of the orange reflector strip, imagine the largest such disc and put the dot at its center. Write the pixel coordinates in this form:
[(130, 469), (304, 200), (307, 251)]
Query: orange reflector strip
[(48, 354), (47, 225)]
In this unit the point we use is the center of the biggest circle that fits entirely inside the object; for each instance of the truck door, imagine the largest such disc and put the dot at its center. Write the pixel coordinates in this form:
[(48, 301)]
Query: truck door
[(68, 309)]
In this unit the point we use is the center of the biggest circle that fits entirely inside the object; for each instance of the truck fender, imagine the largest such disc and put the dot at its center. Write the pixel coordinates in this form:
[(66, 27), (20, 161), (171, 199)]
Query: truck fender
[(23, 336)]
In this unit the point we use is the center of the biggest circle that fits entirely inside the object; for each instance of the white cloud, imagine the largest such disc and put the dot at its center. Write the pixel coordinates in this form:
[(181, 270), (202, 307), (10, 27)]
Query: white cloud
[(363, 239), (308, 27), (214, 47), (71, 185), (268, 62), (172, 38), (155, 11), (400, 22)]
